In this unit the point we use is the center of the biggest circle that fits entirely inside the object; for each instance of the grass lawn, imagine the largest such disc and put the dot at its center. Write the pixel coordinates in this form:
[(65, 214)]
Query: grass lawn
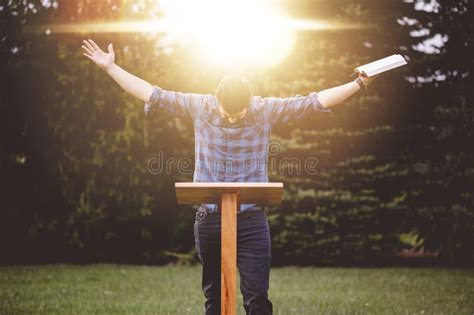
[(122, 289)]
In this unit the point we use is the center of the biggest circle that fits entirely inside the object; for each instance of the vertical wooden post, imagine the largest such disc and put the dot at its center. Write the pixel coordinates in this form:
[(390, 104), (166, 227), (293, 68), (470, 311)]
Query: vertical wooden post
[(229, 201), (229, 195)]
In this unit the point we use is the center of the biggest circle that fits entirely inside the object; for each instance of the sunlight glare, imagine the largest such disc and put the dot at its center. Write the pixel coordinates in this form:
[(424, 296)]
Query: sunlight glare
[(232, 32)]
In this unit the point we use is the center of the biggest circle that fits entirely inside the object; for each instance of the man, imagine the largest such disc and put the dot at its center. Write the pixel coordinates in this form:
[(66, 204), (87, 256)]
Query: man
[(232, 132)]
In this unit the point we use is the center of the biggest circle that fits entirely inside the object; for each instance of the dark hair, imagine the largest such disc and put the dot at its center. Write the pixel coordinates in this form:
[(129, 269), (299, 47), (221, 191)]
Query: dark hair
[(234, 93)]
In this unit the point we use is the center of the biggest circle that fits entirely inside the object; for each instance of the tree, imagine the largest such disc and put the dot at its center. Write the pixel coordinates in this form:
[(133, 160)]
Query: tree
[(391, 164)]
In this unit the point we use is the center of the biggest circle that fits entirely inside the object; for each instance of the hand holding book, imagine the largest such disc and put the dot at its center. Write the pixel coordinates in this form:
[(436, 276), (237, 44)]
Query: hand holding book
[(368, 72), (385, 64), (367, 80), (366, 75)]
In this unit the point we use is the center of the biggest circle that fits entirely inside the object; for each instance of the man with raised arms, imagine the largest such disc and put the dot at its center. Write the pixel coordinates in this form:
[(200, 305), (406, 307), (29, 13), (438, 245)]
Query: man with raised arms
[(232, 132)]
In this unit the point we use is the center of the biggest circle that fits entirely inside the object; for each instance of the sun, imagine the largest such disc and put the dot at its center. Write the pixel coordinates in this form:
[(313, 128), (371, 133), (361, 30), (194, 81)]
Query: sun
[(231, 32), (236, 34)]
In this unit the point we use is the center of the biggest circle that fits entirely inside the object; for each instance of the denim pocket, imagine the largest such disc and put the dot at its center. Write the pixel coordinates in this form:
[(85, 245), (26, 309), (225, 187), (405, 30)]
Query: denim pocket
[(200, 215), (256, 214)]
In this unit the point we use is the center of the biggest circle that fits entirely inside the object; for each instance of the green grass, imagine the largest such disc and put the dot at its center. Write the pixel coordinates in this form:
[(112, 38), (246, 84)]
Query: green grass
[(116, 289)]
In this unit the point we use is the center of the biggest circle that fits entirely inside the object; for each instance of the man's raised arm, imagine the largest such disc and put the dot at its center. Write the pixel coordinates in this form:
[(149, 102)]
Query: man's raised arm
[(338, 94), (132, 84), (293, 108), (175, 103)]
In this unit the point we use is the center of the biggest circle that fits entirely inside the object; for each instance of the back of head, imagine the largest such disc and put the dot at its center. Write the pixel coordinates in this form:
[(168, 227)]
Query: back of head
[(234, 93)]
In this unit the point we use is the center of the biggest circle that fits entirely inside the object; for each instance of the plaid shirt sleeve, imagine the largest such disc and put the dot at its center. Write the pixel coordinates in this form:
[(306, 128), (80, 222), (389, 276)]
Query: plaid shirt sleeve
[(288, 109), (177, 104)]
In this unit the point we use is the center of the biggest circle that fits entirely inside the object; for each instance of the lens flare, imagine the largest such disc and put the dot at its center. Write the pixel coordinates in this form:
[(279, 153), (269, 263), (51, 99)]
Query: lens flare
[(234, 32), (224, 32)]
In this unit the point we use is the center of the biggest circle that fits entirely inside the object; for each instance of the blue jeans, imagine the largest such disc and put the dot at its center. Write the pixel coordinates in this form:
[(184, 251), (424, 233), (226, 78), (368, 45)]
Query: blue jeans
[(253, 259)]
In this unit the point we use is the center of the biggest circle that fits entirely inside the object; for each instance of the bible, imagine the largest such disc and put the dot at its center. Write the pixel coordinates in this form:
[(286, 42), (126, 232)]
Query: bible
[(381, 65)]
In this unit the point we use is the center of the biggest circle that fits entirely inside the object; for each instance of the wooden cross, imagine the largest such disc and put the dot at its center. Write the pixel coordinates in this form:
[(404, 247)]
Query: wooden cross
[(229, 196)]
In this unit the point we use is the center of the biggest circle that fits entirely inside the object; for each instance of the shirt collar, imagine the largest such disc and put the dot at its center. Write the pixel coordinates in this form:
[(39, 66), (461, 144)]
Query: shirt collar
[(215, 118)]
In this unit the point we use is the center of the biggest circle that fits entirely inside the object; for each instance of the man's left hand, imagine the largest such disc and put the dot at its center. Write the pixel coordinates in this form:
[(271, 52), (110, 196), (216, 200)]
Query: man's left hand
[(366, 79)]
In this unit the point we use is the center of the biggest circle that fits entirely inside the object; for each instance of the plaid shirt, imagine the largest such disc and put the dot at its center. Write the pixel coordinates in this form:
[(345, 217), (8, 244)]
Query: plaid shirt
[(226, 152)]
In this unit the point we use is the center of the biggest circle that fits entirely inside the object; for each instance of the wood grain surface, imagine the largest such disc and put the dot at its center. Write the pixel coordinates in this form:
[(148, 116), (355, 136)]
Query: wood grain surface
[(258, 193), (229, 253)]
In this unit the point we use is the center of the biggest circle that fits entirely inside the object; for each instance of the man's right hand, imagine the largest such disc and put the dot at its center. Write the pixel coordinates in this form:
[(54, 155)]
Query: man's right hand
[(132, 84), (97, 55)]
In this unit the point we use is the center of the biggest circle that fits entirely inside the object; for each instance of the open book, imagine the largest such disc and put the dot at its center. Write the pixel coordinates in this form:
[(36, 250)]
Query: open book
[(381, 65)]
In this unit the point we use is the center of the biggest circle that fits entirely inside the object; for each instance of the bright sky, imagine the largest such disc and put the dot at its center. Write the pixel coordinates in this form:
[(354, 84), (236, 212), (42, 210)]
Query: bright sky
[(230, 32), (233, 33)]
